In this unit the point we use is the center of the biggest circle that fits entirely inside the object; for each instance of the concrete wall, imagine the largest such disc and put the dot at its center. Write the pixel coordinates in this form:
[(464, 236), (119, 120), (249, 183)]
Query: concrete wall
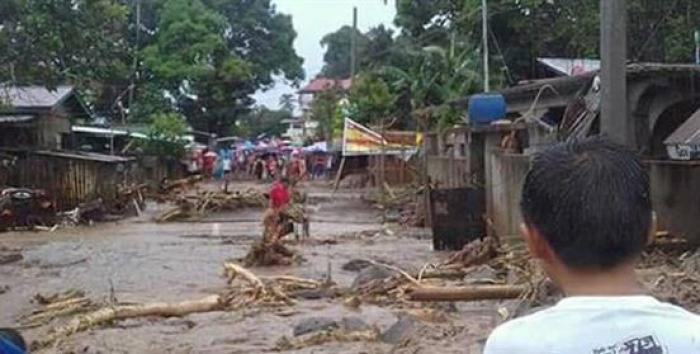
[(675, 192), (449, 172), (505, 173)]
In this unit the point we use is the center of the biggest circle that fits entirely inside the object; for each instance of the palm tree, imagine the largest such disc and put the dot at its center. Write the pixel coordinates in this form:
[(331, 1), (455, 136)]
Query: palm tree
[(287, 102)]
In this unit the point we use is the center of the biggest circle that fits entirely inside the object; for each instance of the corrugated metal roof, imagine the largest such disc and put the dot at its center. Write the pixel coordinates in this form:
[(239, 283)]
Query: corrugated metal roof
[(16, 119), (571, 66), (88, 156), (688, 133), (34, 96), (98, 130)]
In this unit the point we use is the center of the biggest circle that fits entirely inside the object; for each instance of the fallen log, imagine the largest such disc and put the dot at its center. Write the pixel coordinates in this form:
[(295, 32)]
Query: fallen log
[(109, 314), (465, 293)]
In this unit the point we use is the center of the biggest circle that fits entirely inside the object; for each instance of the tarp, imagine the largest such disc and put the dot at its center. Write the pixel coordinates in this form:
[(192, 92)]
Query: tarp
[(359, 140), (320, 146)]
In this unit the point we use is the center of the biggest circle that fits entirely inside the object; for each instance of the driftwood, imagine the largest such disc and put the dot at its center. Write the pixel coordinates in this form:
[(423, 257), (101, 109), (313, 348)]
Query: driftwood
[(474, 253), (466, 293), (180, 183), (122, 312), (190, 205), (257, 291)]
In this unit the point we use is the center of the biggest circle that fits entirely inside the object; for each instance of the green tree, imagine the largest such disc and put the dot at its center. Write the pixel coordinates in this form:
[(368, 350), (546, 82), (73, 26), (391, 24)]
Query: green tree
[(658, 30), (262, 120), (165, 136), (327, 111), (51, 42), (338, 48), (190, 59), (370, 99), (260, 35), (436, 77), (288, 103)]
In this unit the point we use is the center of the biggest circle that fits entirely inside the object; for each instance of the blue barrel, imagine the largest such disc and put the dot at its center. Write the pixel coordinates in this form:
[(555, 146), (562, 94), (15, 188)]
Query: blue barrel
[(486, 108)]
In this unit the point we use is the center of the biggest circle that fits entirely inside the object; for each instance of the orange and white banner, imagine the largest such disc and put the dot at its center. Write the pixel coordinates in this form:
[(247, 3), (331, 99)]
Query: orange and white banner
[(359, 140)]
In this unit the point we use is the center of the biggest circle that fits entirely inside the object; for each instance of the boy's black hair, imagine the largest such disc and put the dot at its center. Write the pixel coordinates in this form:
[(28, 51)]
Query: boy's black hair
[(590, 200)]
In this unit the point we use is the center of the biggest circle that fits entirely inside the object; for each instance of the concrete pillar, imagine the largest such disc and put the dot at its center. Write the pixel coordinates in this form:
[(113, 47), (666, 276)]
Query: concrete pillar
[(613, 72)]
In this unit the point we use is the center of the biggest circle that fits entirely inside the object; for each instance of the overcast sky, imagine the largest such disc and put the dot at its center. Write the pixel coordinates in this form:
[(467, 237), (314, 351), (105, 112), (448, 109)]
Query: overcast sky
[(315, 18)]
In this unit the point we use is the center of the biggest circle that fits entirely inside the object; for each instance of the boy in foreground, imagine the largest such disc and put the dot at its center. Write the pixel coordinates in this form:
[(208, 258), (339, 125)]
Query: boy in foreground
[(587, 217)]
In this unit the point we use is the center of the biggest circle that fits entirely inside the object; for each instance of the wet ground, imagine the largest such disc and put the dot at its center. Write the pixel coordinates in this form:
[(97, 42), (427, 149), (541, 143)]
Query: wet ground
[(137, 260)]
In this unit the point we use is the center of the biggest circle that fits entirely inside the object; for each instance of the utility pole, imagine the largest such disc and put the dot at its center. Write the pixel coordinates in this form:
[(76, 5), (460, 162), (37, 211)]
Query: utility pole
[(353, 43), (485, 43), (132, 85), (613, 72), (697, 47)]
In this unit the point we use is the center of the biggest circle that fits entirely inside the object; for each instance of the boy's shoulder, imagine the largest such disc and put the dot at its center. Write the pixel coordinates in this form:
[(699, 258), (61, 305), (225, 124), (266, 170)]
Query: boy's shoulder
[(563, 322), (521, 333)]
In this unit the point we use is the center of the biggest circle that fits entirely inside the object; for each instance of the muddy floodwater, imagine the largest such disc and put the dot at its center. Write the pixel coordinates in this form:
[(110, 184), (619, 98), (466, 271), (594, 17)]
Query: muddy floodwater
[(138, 261)]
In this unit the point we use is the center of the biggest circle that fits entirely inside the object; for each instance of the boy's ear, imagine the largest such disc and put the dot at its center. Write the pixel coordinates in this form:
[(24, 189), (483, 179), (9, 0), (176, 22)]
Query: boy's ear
[(536, 244)]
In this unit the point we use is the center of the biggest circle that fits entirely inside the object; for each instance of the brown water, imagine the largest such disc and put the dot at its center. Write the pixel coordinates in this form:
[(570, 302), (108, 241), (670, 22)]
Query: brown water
[(144, 262)]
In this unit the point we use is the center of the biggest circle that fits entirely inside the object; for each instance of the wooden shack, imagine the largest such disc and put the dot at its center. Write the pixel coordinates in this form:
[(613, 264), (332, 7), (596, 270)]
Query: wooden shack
[(68, 178), (37, 118)]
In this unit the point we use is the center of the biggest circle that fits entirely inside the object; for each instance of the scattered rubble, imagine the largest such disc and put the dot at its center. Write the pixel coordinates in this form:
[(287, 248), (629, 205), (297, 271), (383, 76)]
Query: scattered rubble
[(195, 205)]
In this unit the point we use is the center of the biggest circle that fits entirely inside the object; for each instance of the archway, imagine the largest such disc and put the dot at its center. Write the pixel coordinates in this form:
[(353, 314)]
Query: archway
[(668, 121)]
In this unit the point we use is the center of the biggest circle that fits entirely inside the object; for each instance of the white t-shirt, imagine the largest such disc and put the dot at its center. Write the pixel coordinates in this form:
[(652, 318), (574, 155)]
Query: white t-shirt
[(600, 325)]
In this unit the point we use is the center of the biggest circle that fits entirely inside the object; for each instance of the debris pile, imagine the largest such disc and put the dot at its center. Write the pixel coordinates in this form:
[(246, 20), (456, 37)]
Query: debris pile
[(196, 204), (22, 208), (405, 204), (270, 250), (55, 306), (33, 209), (245, 290), (483, 270), (510, 274)]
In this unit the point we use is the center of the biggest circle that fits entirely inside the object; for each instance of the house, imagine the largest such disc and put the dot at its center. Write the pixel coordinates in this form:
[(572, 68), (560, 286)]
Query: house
[(663, 115), (318, 85), (554, 67), (684, 143), (308, 93), (34, 117), (299, 129)]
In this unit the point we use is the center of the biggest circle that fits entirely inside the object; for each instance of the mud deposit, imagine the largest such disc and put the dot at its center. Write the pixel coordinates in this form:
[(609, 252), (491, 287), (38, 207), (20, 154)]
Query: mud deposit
[(140, 261)]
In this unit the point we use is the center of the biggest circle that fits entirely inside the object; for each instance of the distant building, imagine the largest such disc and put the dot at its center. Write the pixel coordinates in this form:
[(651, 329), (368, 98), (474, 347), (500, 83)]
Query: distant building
[(298, 129), (308, 93), (33, 117)]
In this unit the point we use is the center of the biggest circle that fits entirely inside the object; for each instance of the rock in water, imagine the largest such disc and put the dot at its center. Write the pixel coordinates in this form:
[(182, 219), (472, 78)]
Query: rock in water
[(354, 324), (356, 265), (369, 274), (314, 324), (399, 331)]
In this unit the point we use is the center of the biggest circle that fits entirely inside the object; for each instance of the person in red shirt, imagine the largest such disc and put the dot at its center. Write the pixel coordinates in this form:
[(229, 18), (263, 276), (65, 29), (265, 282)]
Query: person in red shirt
[(279, 194)]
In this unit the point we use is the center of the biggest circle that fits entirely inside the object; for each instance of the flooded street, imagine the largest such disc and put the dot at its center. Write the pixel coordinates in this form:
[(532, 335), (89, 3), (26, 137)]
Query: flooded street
[(139, 261)]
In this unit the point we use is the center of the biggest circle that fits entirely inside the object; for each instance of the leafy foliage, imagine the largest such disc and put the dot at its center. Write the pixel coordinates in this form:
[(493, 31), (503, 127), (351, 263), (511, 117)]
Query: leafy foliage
[(201, 58), (288, 103), (165, 136), (262, 121), (327, 110), (338, 48), (522, 30), (370, 99)]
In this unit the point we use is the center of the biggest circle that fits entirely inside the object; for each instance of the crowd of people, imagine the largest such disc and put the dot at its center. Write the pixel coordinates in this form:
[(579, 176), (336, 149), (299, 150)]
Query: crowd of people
[(262, 165)]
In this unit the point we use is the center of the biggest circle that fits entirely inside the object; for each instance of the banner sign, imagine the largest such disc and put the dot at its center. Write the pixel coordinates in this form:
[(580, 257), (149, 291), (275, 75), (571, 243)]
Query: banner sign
[(359, 140)]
